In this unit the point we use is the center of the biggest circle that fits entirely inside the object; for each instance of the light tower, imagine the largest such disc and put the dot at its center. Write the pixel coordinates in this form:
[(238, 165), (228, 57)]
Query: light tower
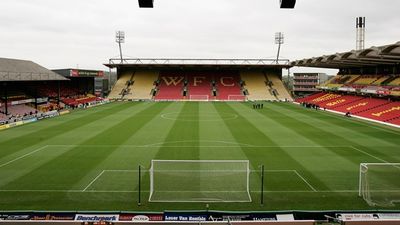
[(360, 33), (120, 38), (279, 40)]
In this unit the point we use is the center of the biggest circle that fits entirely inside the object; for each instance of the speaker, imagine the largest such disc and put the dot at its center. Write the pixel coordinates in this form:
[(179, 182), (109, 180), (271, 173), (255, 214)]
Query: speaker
[(146, 3), (288, 4)]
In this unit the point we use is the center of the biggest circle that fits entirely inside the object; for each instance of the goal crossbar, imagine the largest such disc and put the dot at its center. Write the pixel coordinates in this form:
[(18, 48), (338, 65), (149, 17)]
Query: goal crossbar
[(236, 97)]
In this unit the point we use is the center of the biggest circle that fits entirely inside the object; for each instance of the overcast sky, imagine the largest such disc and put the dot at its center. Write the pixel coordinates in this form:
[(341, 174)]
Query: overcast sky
[(71, 33)]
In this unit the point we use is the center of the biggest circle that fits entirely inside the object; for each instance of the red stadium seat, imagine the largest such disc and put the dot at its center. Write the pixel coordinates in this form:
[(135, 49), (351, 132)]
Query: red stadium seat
[(171, 86)]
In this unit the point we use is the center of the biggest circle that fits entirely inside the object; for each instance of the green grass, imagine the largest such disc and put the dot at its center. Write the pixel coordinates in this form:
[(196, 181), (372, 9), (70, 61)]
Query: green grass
[(87, 160)]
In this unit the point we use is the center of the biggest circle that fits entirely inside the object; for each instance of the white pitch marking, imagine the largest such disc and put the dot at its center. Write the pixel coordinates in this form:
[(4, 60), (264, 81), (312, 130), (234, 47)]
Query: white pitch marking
[(23, 156), (94, 180), (122, 191), (295, 171), (214, 146), (366, 153)]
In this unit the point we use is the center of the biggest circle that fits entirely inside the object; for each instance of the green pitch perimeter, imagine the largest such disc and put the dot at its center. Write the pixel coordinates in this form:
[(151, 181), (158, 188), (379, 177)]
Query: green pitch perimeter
[(87, 160)]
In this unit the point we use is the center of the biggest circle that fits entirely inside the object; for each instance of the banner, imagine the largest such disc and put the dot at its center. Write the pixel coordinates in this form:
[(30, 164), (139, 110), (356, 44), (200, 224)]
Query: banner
[(356, 216), (53, 216), (96, 218), (220, 216), (184, 217), (141, 217), (388, 216), (15, 216)]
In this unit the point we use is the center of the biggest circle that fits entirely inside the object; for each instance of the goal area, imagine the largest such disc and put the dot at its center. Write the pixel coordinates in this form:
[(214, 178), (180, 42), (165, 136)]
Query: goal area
[(198, 97), (379, 183), (199, 181)]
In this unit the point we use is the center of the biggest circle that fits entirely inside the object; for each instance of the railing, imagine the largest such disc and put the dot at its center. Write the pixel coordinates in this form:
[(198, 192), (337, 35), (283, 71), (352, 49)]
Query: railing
[(165, 61)]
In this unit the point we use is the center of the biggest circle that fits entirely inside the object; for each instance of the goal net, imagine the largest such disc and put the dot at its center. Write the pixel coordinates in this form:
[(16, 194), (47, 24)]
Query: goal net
[(379, 183), (236, 97), (198, 97), (199, 181)]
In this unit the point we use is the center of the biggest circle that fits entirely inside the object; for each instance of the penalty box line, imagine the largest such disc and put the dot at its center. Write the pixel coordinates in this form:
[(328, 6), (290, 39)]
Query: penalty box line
[(23, 156), (135, 171), (211, 146), (101, 173)]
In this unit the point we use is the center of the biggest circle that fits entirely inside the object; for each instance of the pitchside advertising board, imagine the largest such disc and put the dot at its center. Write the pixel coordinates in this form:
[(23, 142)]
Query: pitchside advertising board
[(123, 217), (219, 216), (367, 216), (140, 217)]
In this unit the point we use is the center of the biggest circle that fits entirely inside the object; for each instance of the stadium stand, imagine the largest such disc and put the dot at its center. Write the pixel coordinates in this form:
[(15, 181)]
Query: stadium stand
[(80, 100), (323, 98), (310, 97), (380, 80), (348, 79), (362, 105), (383, 113), (256, 86), (395, 81), (143, 84), (280, 90), (119, 88), (394, 121), (170, 86), (367, 107), (20, 110), (228, 86), (340, 101), (364, 79), (51, 90)]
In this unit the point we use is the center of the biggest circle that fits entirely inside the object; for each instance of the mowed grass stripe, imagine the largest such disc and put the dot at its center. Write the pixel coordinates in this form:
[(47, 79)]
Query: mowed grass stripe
[(338, 158), (124, 161), (242, 130), (284, 190), (32, 128), (184, 132), (67, 169), (310, 132), (46, 132), (76, 136), (20, 163), (353, 124), (216, 139), (333, 136)]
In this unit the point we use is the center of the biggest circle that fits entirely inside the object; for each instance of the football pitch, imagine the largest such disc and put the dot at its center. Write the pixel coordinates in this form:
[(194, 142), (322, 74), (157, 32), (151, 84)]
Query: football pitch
[(89, 159)]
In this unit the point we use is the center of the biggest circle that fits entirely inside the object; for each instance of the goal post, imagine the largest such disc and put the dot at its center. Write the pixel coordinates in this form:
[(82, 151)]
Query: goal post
[(379, 183), (199, 181), (236, 97), (198, 97)]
